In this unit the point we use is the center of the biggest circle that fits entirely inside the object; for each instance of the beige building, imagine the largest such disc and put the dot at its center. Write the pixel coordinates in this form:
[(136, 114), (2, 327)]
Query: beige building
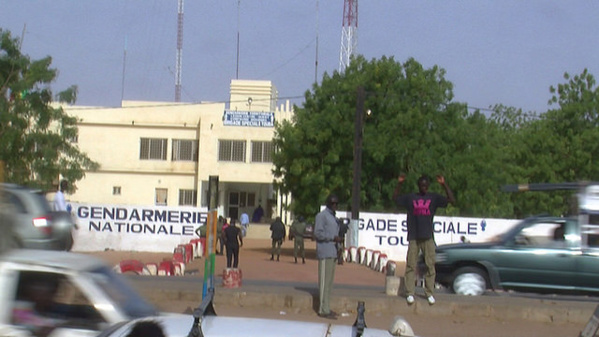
[(164, 153)]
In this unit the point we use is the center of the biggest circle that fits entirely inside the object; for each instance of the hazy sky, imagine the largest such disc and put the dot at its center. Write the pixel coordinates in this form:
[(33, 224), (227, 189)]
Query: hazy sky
[(507, 52)]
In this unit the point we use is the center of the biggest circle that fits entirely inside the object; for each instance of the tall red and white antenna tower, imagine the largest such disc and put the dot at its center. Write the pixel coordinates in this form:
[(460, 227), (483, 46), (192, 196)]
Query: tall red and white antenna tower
[(179, 52), (349, 33)]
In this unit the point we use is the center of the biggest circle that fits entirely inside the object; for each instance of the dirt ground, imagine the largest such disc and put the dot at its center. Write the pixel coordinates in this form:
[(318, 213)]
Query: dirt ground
[(256, 265)]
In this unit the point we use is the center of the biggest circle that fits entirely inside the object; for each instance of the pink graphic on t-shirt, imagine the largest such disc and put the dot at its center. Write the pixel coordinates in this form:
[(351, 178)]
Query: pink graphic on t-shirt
[(421, 207)]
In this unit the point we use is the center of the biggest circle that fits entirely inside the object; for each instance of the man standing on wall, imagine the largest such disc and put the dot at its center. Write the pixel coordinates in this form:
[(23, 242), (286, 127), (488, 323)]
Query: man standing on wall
[(420, 208), (326, 233)]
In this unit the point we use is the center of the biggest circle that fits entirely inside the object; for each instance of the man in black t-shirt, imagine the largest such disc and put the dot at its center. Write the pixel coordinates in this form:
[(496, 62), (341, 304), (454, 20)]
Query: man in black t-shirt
[(420, 208)]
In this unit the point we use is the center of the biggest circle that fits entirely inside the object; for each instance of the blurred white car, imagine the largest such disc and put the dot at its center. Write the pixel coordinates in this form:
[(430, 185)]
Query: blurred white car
[(67, 294)]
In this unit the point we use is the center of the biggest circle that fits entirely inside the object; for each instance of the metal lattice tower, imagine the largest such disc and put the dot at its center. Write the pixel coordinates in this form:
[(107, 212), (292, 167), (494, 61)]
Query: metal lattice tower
[(349, 33), (179, 52)]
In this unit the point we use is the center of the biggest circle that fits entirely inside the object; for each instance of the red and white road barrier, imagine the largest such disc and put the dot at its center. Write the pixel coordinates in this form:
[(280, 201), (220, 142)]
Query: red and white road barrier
[(375, 259), (382, 263), (353, 254), (231, 278), (133, 266), (346, 255), (152, 268), (361, 255), (368, 257), (391, 267)]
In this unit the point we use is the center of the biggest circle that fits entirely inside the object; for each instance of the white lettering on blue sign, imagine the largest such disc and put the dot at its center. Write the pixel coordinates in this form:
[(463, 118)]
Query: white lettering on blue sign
[(248, 118)]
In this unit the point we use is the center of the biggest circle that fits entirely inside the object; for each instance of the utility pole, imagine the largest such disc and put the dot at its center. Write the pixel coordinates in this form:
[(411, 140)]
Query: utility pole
[(358, 137)]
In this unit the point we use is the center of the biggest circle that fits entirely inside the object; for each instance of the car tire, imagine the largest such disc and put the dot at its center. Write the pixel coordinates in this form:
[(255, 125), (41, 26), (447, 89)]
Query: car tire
[(68, 242), (469, 281)]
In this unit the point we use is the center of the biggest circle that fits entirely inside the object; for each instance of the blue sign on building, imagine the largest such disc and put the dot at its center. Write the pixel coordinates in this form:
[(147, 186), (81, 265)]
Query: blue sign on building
[(249, 118)]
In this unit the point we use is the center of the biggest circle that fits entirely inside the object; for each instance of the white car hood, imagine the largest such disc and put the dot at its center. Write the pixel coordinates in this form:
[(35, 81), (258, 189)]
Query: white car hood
[(221, 326)]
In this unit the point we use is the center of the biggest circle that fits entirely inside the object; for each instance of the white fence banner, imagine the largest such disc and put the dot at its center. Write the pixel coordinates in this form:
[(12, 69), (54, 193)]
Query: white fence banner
[(134, 228), (161, 229), (387, 232)]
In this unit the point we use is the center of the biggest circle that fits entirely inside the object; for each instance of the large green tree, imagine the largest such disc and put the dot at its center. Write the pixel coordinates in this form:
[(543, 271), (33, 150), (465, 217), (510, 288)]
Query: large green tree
[(556, 146), (35, 135), (414, 128)]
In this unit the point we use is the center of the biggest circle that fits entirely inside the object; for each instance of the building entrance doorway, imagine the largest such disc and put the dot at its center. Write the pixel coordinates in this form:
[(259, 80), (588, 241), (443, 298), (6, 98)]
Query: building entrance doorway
[(233, 205)]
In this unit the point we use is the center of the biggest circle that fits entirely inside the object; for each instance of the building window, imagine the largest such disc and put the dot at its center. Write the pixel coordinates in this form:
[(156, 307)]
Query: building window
[(187, 197), (161, 196), (185, 149), (262, 152), (231, 150), (153, 148), (251, 202), (116, 190)]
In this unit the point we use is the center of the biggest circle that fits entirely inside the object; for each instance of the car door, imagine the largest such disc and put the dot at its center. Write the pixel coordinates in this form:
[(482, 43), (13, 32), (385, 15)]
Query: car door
[(588, 263), (45, 301), (587, 278), (536, 257)]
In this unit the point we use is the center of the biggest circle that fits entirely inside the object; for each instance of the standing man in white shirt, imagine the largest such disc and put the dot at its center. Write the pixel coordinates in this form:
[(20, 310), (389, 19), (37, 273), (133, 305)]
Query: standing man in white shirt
[(59, 202)]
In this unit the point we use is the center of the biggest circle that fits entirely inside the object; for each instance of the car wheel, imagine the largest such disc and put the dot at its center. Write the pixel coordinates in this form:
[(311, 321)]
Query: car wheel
[(469, 281), (68, 245)]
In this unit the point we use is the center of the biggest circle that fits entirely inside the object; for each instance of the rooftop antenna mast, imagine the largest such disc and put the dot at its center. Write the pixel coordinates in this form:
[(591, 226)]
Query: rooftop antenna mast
[(349, 33), (316, 58), (179, 52), (237, 64)]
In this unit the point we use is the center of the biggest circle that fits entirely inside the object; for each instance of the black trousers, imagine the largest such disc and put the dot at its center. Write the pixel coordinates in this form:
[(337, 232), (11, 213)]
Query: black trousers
[(232, 256)]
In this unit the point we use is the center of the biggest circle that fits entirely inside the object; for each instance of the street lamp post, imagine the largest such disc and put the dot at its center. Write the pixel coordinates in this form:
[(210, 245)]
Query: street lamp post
[(358, 136)]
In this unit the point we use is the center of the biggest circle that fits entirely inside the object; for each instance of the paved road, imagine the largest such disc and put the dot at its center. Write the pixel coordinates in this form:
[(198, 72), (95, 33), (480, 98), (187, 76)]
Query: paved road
[(289, 290)]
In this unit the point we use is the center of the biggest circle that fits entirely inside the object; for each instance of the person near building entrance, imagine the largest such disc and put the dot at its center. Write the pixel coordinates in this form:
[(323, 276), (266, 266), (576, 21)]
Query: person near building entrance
[(296, 233), (326, 233), (258, 214), (233, 241), (245, 223), (278, 232), (420, 208)]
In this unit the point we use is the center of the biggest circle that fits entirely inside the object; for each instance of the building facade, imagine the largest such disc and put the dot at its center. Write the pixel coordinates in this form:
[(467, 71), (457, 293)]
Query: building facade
[(165, 153)]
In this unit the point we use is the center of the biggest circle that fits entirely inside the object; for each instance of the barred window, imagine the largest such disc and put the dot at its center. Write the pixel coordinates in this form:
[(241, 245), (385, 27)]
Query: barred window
[(231, 150), (188, 197), (185, 149), (153, 148), (262, 152)]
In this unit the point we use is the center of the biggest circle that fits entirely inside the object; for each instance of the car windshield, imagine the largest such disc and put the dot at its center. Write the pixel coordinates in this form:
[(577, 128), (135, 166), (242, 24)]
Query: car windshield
[(122, 294)]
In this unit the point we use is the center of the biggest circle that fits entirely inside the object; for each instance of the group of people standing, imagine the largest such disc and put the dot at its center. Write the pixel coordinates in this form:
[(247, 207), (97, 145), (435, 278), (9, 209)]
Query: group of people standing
[(329, 234), (420, 209), (297, 233)]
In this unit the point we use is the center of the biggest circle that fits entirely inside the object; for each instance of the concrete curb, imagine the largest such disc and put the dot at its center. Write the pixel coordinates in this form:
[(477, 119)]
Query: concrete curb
[(304, 298)]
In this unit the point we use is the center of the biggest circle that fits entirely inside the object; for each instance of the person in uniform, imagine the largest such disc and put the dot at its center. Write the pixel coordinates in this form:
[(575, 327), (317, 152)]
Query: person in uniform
[(296, 233)]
